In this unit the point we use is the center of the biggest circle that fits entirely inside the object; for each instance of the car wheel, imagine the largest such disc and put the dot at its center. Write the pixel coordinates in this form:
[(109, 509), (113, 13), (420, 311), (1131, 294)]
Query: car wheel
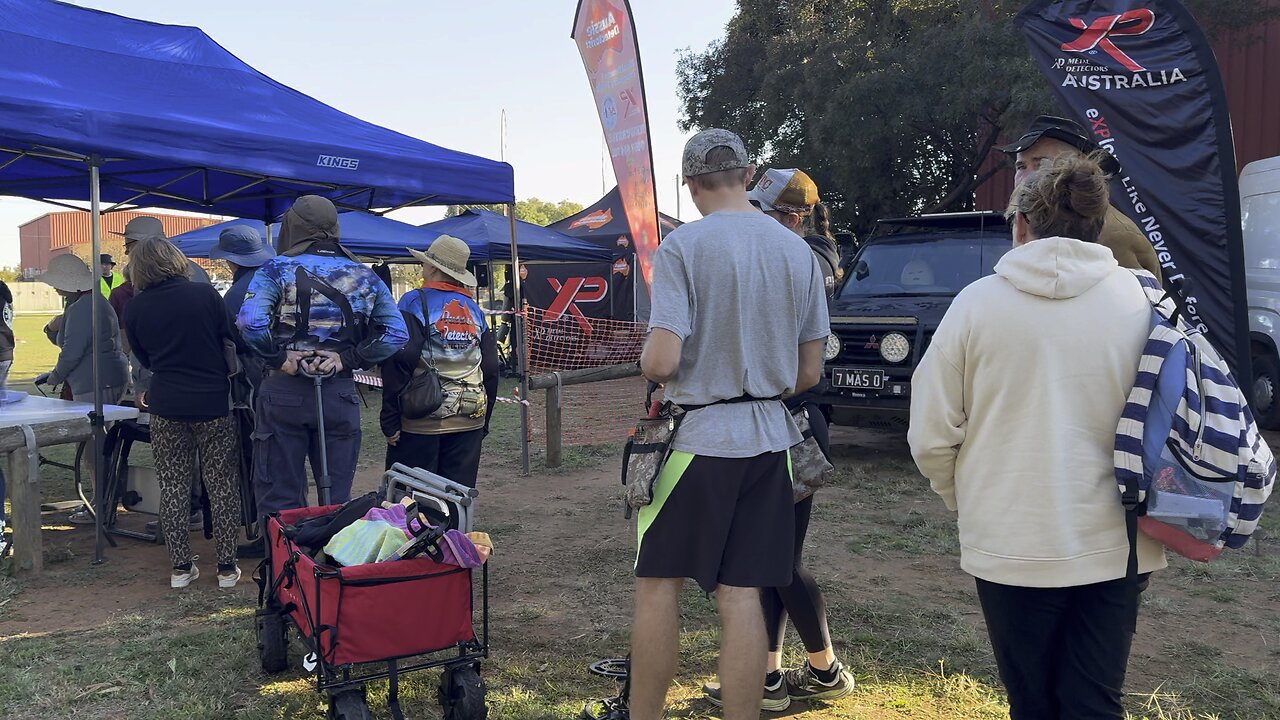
[(1264, 396)]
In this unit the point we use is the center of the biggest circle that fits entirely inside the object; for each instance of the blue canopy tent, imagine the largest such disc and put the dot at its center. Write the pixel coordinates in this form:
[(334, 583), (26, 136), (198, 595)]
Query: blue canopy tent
[(100, 107), (488, 235), (368, 236), (174, 120)]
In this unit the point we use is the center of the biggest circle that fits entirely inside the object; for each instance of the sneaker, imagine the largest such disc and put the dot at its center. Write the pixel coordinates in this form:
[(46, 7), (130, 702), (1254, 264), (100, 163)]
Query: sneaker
[(81, 517), (804, 684), (775, 698), (183, 578), (229, 578)]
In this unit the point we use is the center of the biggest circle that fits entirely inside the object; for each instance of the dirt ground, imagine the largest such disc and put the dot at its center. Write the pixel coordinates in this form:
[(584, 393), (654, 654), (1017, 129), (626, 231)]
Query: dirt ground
[(903, 615)]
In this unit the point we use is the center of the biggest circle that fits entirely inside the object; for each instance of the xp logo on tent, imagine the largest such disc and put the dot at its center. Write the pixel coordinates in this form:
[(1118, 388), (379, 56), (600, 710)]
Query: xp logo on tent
[(1097, 34), (572, 291)]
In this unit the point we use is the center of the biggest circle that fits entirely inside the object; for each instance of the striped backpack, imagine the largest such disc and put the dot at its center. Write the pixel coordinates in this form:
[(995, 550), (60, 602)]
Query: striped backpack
[(1193, 470)]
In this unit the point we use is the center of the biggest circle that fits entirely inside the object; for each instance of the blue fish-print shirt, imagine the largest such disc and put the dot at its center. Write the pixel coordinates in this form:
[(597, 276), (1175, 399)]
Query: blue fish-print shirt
[(321, 299)]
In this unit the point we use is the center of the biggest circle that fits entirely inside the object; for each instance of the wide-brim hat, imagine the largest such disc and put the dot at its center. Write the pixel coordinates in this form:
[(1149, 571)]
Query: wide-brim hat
[(450, 256), (68, 273), (242, 245)]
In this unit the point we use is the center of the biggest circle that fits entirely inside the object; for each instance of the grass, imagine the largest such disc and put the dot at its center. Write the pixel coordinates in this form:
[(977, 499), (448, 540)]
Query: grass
[(904, 619), (33, 353)]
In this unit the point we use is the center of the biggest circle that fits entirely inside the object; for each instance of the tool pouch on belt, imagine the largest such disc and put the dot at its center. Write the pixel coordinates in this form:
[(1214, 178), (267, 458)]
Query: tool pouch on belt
[(810, 468), (646, 452), (649, 446)]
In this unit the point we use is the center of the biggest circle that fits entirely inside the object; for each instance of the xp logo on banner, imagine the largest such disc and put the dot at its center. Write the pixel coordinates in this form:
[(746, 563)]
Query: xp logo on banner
[(1097, 34), (572, 291)]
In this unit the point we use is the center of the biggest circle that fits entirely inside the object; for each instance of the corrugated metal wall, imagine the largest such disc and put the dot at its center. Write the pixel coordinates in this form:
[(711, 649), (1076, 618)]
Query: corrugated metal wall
[(1250, 64), (60, 232)]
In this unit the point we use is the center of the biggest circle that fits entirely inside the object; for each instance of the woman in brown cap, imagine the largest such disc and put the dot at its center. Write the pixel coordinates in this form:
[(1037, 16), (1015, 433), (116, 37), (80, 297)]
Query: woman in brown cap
[(452, 338)]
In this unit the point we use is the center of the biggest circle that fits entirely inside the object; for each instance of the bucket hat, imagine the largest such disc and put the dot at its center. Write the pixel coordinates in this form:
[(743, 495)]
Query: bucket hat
[(450, 255), (68, 273), (242, 245)]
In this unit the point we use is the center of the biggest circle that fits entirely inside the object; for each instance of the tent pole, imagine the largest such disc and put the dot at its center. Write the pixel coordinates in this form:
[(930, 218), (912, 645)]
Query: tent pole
[(522, 348), (268, 232), (95, 418)]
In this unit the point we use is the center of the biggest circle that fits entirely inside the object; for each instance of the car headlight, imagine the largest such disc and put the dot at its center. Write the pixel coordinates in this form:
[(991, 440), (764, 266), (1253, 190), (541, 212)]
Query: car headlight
[(832, 350), (895, 347)]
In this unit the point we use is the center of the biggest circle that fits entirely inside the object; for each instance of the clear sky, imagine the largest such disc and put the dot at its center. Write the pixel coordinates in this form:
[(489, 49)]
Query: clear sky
[(444, 72)]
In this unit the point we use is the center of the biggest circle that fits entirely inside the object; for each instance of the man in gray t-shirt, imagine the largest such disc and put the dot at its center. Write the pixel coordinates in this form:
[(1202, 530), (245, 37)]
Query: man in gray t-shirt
[(739, 321)]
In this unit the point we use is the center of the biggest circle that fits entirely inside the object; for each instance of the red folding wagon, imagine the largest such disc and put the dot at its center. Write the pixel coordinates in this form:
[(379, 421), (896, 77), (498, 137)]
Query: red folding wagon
[(369, 622)]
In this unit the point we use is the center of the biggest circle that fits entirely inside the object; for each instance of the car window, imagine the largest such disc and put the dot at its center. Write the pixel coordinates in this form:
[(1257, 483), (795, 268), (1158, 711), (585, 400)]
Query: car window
[(937, 265)]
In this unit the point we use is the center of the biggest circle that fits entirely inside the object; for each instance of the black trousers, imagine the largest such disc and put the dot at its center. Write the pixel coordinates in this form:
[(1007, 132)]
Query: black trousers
[(802, 600), (455, 456), (1062, 652)]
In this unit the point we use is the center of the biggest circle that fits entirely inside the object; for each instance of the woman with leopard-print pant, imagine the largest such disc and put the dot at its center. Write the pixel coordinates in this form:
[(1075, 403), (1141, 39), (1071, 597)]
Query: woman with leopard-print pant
[(179, 330), (175, 444)]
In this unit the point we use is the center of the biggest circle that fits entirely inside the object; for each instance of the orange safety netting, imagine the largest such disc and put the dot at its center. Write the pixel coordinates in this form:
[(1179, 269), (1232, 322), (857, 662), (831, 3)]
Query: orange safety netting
[(595, 413), (572, 341)]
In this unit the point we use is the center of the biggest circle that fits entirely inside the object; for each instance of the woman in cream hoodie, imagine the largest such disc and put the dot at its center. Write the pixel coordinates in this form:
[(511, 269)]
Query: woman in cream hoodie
[(1013, 418)]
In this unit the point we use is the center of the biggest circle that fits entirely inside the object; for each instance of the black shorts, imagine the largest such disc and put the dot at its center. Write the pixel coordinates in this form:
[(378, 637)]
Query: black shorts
[(720, 521)]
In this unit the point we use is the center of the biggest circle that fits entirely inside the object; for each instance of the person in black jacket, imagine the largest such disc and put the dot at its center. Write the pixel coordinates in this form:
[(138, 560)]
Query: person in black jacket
[(179, 330)]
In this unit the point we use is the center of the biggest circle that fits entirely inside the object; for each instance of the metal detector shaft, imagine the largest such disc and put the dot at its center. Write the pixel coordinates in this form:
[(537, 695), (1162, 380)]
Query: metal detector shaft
[(323, 483)]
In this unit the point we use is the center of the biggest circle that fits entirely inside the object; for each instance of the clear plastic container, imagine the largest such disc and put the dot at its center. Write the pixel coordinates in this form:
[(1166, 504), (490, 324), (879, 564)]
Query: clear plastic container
[(1187, 503)]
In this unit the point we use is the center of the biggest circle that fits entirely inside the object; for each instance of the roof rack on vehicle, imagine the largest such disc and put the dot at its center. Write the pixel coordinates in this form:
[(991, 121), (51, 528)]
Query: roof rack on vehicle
[(956, 220)]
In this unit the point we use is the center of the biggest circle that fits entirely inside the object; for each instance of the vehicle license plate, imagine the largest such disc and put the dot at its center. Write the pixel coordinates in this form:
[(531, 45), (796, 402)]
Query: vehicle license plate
[(857, 379)]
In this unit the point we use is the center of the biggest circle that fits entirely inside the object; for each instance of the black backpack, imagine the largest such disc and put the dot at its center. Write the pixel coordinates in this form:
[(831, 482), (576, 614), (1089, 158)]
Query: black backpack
[(314, 533)]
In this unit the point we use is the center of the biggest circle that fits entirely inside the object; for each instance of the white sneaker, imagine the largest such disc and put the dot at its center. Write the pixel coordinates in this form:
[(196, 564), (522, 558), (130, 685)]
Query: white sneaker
[(229, 579), (180, 579)]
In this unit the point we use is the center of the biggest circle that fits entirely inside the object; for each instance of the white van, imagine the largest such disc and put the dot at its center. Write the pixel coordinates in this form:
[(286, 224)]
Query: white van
[(1260, 203)]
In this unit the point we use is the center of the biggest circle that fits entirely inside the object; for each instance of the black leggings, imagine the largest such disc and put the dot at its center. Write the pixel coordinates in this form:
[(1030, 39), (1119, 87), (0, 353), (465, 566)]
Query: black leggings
[(802, 599)]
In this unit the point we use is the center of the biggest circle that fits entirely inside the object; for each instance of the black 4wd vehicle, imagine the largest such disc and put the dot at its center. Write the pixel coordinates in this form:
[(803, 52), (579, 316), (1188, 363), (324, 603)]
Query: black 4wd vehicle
[(896, 290)]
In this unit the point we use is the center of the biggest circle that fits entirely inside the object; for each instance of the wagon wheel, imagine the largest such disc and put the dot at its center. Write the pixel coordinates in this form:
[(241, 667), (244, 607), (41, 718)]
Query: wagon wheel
[(273, 641), (462, 693), (348, 705)]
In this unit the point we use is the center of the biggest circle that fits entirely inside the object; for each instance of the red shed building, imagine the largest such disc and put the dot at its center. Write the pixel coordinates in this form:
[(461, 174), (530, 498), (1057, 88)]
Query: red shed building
[(68, 232), (1250, 64)]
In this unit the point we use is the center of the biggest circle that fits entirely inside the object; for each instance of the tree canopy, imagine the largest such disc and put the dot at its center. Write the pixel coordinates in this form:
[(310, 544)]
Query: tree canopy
[(892, 106), (531, 210)]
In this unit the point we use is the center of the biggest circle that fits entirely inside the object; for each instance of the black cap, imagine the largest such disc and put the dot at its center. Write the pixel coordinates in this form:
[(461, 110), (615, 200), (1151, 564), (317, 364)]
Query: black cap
[(1063, 129), (105, 259)]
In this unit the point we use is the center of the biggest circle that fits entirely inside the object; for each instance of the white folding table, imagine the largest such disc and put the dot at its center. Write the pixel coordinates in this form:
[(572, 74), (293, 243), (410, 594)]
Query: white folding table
[(26, 426)]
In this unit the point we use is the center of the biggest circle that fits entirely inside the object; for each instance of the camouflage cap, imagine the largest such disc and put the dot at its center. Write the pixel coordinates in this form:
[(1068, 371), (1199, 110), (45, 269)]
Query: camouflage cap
[(695, 152)]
